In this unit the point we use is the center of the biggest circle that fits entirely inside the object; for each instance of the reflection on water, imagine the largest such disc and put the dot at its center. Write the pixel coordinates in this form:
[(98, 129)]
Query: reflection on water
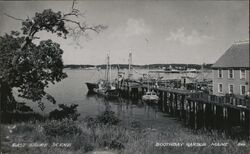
[(128, 110)]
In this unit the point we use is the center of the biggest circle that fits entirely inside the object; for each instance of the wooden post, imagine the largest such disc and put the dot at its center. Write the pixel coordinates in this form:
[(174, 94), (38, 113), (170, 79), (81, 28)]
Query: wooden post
[(209, 114), (219, 118), (176, 105), (225, 122), (204, 115), (214, 116), (199, 114), (247, 122), (166, 101), (185, 111), (195, 115), (188, 113), (163, 101), (171, 103), (191, 113), (182, 107)]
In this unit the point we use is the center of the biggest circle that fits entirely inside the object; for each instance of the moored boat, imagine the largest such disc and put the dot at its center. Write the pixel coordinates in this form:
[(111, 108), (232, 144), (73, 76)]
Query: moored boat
[(91, 86), (150, 97), (104, 87)]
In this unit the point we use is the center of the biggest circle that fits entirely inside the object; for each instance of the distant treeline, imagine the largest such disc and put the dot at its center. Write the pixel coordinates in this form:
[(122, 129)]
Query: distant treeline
[(151, 66), (75, 66)]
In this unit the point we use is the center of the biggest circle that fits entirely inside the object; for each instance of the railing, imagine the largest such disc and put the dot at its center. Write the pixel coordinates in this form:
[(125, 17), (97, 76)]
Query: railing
[(228, 99)]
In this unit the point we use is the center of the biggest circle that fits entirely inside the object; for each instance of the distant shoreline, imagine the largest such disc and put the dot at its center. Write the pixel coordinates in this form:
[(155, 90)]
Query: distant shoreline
[(152, 66)]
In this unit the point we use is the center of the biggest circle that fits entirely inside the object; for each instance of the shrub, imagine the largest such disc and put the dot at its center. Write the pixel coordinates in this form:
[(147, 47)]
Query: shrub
[(11, 117), (136, 125), (91, 122), (108, 118), (66, 127), (69, 112)]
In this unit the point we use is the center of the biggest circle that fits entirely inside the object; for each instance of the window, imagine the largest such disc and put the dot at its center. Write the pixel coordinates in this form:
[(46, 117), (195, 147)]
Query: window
[(220, 87), (242, 90), (231, 89), (230, 74), (242, 74), (219, 73)]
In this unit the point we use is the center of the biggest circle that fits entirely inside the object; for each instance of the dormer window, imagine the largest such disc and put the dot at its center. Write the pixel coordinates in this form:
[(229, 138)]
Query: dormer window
[(230, 74), (219, 73)]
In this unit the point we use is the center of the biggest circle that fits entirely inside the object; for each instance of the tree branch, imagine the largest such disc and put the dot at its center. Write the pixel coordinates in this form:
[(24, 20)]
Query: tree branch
[(84, 27), (13, 17), (73, 5)]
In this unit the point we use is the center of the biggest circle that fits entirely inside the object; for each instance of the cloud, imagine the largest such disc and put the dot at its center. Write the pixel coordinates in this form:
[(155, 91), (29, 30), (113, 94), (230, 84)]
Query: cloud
[(133, 27), (136, 27), (194, 38)]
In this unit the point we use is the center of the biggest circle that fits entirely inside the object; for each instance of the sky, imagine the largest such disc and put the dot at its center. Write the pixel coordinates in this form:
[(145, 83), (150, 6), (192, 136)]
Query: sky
[(154, 31)]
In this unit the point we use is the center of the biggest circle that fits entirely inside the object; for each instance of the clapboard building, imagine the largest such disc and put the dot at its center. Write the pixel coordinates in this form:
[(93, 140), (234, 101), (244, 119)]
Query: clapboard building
[(231, 71)]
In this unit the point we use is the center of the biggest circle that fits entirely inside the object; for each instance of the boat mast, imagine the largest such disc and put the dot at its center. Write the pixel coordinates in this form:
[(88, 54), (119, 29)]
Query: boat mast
[(148, 64), (107, 68), (148, 78), (129, 65)]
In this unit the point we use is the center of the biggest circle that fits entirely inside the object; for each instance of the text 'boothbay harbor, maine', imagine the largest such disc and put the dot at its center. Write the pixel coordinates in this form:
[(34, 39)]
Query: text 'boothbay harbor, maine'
[(124, 77)]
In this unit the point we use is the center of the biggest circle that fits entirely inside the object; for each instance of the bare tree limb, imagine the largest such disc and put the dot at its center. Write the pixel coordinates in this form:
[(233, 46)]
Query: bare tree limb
[(79, 30), (73, 5), (13, 17)]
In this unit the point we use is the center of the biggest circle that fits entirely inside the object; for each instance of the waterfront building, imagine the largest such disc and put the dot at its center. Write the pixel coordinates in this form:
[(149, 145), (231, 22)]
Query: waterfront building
[(231, 71)]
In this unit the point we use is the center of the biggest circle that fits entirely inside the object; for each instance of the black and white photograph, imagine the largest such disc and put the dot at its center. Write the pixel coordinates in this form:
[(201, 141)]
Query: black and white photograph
[(124, 77)]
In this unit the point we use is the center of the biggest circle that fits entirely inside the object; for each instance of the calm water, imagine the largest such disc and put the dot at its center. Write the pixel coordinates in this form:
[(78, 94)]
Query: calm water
[(73, 90)]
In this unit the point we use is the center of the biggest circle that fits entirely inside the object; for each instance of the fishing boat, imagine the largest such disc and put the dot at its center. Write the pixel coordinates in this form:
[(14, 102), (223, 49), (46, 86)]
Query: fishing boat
[(150, 96), (91, 86), (104, 87)]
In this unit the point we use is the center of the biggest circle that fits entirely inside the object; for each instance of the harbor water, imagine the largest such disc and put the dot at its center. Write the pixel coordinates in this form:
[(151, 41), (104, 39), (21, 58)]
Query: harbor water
[(73, 90)]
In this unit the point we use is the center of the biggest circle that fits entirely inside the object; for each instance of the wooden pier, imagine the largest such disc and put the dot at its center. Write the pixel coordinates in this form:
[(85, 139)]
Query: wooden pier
[(198, 110)]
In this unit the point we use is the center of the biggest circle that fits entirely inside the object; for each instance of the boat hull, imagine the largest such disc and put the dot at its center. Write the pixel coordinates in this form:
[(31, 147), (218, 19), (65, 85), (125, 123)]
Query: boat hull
[(150, 99), (107, 93), (91, 86)]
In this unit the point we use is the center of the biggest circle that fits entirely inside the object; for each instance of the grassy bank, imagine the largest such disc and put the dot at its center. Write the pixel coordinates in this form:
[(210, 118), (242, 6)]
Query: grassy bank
[(90, 136)]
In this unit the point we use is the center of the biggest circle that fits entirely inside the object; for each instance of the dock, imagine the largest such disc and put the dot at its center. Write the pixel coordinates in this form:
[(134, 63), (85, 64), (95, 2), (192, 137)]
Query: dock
[(198, 110)]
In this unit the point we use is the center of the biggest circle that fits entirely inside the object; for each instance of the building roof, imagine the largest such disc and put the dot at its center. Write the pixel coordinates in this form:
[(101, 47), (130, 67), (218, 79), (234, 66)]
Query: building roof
[(237, 56)]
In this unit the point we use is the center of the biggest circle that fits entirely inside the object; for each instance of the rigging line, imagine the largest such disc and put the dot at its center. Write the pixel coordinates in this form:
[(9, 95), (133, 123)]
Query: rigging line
[(137, 71), (93, 74)]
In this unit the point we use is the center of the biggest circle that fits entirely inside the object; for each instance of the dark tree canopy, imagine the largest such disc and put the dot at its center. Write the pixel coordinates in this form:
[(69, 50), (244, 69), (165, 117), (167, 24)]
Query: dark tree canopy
[(30, 67), (37, 66)]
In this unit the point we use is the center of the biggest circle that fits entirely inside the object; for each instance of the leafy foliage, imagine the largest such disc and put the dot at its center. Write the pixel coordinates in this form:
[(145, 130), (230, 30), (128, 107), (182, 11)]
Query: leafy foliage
[(12, 117), (108, 118), (38, 66), (47, 20), (31, 67), (105, 118), (69, 112)]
